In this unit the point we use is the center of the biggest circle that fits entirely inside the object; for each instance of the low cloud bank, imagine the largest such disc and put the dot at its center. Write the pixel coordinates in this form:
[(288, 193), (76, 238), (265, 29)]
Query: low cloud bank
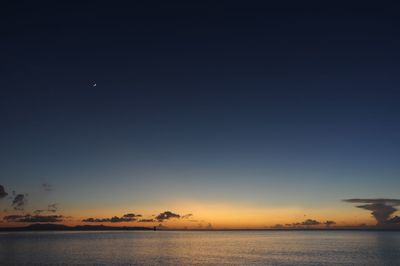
[(306, 223), (310, 222), (147, 221), (129, 217), (19, 202), (34, 218)]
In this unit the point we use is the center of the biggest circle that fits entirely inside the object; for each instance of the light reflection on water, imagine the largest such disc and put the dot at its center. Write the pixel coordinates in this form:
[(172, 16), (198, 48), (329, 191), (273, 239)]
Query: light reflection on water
[(201, 248)]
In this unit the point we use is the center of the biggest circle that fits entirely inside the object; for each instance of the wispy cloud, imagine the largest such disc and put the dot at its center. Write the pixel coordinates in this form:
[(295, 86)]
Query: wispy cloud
[(19, 202), (47, 187), (38, 211), (52, 207), (187, 216)]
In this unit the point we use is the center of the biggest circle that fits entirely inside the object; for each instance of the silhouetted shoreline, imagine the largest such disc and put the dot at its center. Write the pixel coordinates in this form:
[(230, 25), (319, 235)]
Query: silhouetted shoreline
[(61, 227)]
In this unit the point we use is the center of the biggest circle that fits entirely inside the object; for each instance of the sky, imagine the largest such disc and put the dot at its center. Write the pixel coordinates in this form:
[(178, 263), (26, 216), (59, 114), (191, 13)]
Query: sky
[(242, 114)]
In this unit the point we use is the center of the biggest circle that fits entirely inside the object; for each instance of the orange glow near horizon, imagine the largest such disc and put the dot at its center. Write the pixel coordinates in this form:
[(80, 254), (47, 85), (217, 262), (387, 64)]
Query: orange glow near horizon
[(221, 216)]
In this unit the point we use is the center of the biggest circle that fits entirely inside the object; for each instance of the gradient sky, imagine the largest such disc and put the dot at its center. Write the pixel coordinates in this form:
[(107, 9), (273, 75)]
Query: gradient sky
[(240, 113)]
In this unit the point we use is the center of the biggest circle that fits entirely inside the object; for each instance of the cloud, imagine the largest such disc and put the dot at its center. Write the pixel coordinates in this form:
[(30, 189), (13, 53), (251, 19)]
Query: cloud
[(393, 202), (19, 202), (381, 208), (310, 222), (130, 217), (166, 216), (394, 220), (52, 207), (3, 193), (147, 221), (381, 212), (187, 216), (47, 187), (329, 223), (34, 218), (38, 211)]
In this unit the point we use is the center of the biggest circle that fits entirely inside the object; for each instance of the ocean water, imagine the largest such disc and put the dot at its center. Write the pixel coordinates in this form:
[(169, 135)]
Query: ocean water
[(200, 248)]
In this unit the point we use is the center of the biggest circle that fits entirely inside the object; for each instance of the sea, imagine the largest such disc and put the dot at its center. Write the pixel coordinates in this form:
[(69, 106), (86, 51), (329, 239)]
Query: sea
[(200, 248)]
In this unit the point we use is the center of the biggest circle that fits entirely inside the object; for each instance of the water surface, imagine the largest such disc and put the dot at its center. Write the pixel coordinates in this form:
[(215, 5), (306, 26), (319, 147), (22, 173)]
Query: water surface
[(200, 248)]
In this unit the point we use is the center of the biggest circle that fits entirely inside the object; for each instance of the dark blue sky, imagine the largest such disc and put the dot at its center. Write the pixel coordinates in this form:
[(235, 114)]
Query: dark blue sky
[(227, 101)]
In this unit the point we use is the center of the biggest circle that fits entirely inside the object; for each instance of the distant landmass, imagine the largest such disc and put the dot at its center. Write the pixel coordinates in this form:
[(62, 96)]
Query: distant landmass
[(61, 227)]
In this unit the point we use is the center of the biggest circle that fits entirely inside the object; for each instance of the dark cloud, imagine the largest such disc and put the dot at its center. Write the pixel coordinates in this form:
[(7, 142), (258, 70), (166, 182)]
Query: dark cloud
[(19, 202), (130, 217), (393, 202), (381, 212), (166, 216), (394, 220), (52, 207), (147, 221), (381, 209), (47, 187), (96, 220), (310, 222), (38, 211), (3, 193), (34, 218)]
